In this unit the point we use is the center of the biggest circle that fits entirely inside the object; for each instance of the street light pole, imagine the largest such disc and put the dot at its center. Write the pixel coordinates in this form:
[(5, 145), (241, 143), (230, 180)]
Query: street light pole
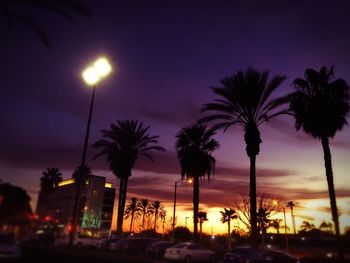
[(175, 189), (91, 75), (81, 170)]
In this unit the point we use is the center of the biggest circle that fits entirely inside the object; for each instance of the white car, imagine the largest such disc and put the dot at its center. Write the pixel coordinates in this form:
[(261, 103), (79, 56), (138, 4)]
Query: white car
[(189, 252)]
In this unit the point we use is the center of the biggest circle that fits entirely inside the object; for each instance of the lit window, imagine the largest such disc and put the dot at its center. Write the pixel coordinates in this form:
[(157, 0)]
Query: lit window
[(95, 193)]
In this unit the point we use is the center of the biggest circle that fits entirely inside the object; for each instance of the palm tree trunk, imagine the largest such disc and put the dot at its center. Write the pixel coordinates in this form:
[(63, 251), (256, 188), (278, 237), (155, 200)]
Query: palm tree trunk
[(143, 218), (252, 196), (331, 191), (195, 206), (125, 188), (229, 235), (120, 212), (132, 220), (155, 220)]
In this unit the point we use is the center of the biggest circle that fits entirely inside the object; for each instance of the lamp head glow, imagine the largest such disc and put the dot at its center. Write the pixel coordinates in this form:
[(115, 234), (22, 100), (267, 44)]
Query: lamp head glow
[(90, 76), (102, 67)]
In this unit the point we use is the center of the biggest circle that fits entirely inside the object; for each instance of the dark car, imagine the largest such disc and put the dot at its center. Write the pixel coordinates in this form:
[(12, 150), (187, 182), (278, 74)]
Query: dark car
[(274, 256), (242, 254), (117, 246), (157, 249), (137, 245)]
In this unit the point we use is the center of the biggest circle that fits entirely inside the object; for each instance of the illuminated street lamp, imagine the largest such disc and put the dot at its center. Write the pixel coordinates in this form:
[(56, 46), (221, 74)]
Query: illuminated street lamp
[(175, 189), (92, 75)]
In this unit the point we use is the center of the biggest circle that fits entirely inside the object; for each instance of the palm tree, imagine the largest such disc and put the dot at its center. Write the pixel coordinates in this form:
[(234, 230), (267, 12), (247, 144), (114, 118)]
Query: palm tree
[(86, 172), (321, 106), (19, 11), (144, 207), (306, 226), (202, 217), (132, 210), (276, 224), (50, 179), (156, 208), (122, 144), (194, 145), (244, 101), (226, 216), (291, 205), (328, 226)]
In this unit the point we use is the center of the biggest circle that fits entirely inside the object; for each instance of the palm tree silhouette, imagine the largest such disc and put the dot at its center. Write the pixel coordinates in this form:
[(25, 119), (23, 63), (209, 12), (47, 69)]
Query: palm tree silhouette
[(50, 179), (86, 173), (306, 226), (156, 208), (194, 145), (291, 205), (19, 11), (321, 106), (132, 210), (144, 207), (276, 224), (244, 101), (226, 216), (202, 217), (122, 144)]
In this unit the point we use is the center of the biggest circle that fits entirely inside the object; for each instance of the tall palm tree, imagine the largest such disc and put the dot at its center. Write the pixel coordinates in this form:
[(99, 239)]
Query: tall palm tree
[(226, 216), (321, 106), (291, 205), (245, 100), (20, 10), (144, 207), (156, 208), (132, 210), (194, 145), (50, 179), (202, 217), (122, 144)]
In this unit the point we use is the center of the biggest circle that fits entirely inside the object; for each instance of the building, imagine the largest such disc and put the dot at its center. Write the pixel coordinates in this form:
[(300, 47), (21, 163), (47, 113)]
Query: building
[(96, 206)]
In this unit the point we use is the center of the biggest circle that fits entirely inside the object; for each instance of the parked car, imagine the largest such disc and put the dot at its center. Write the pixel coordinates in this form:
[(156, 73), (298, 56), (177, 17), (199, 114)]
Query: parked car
[(189, 252), (9, 250), (137, 245), (117, 246), (106, 243), (157, 249), (251, 255)]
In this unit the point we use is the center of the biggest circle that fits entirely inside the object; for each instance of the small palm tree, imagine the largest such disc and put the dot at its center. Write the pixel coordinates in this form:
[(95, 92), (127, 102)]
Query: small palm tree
[(306, 226), (328, 226), (202, 217), (226, 216), (194, 147), (50, 179), (321, 106), (244, 101), (122, 144), (144, 207), (276, 224), (86, 171), (156, 208), (132, 210)]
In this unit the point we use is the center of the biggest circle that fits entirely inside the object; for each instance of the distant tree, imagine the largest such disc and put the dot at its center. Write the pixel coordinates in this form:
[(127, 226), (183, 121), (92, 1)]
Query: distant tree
[(202, 217), (245, 99), (326, 226), (14, 206), (291, 205), (264, 201), (226, 216), (276, 224), (21, 10), (194, 146), (321, 106), (122, 144), (86, 172), (50, 179), (182, 233), (132, 210), (306, 226), (156, 209), (144, 207)]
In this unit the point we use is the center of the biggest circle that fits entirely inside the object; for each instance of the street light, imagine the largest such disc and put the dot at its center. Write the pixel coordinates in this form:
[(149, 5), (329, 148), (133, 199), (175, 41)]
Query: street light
[(92, 75), (175, 189)]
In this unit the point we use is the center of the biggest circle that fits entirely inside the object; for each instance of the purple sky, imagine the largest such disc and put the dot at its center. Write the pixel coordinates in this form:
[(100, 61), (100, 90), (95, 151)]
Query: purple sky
[(166, 55)]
